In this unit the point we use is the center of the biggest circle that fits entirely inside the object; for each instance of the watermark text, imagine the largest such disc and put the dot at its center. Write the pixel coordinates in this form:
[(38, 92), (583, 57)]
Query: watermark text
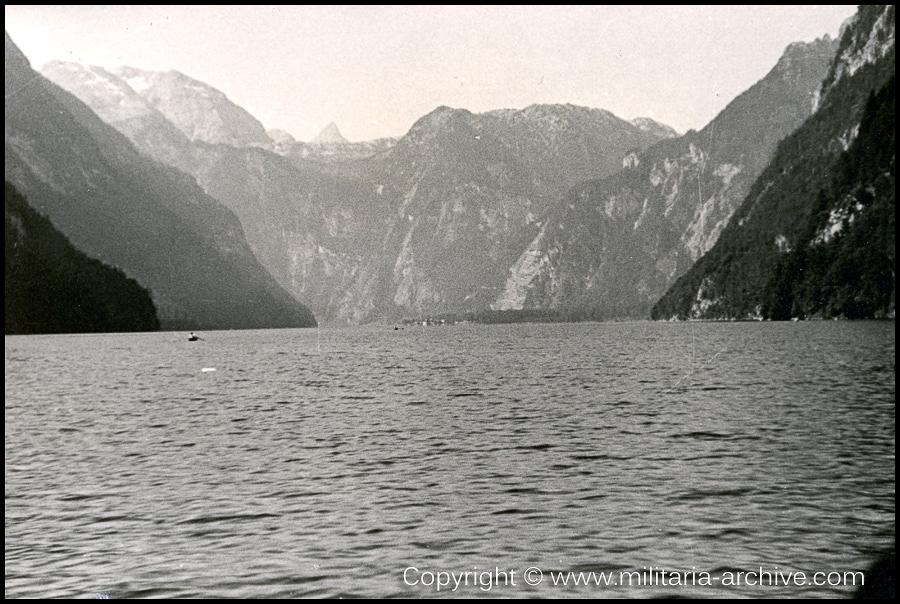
[(648, 576)]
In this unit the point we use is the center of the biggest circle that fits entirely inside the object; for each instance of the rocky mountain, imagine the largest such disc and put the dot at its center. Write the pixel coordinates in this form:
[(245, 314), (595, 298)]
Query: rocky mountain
[(426, 224), (614, 245), (815, 235), (159, 117), (469, 212), (50, 287), (330, 147), (200, 111), (151, 221), (866, 38), (117, 104), (564, 144), (329, 136), (429, 225), (439, 217)]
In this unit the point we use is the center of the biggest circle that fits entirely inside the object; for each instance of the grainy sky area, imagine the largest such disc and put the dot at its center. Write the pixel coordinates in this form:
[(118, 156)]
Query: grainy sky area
[(374, 70)]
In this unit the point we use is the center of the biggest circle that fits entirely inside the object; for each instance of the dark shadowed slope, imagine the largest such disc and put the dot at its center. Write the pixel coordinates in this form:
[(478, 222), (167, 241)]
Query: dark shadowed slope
[(50, 287), (151, 221)]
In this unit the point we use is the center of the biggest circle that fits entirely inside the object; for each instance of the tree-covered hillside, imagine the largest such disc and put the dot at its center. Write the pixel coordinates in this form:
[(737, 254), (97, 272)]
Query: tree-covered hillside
[(815, 235), (51, 287), (843, 265)]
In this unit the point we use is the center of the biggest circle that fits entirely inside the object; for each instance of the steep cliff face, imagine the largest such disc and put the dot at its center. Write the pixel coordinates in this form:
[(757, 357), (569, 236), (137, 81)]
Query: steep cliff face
[(461, 195), (865, 39), (815, 234), (149, 220), (614, 245)]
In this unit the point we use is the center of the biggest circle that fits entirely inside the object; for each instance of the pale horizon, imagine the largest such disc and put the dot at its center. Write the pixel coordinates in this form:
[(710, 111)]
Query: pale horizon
[(374, 70)]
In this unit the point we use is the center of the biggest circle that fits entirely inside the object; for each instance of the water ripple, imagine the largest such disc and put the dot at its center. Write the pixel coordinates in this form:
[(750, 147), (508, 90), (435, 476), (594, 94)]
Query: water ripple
[(321, 463)]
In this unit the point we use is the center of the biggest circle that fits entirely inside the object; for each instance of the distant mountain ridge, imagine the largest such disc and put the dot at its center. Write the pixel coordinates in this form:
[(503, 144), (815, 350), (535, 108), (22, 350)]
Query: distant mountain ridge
[(150, 220), (330, 224), (650, 125), (303, 154), (815, 235), (117, 104), (553, 207)]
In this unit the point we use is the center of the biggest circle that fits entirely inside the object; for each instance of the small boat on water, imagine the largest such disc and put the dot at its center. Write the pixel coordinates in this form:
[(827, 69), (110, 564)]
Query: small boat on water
[(193, 337)]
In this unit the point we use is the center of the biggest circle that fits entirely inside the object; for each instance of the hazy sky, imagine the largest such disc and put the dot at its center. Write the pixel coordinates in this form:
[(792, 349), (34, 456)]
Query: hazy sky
[(374, 70)]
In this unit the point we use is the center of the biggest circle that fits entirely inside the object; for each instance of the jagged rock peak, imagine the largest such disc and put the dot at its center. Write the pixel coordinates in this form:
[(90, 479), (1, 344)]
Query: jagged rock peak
[(329, 136), (864, 38)]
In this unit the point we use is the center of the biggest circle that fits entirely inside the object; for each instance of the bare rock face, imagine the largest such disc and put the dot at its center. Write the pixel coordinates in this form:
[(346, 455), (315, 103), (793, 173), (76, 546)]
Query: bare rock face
[(865, 39), (200, 111), (616, 244)]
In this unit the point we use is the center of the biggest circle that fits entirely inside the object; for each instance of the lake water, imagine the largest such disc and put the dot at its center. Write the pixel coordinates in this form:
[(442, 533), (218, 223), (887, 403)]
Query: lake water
[(363, 462)]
